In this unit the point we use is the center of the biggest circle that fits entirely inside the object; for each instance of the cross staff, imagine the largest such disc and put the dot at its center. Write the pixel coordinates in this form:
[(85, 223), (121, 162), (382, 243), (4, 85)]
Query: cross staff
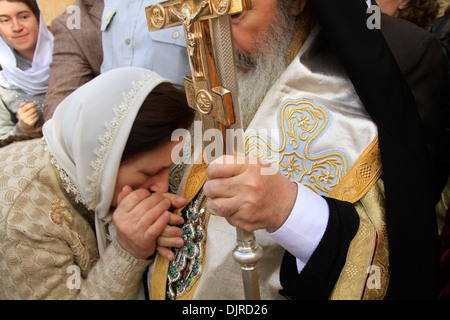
[(211, 89)]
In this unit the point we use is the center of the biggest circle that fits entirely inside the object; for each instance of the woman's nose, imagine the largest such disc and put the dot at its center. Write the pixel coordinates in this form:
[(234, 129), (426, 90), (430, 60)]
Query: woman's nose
[(16, 26), (160, 182)]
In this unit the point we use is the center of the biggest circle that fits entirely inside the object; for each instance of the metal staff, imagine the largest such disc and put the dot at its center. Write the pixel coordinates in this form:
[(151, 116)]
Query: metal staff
[(212, 89)]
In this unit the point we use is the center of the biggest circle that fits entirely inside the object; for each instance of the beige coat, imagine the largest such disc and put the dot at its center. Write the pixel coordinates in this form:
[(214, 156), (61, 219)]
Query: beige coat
[(48, 249)]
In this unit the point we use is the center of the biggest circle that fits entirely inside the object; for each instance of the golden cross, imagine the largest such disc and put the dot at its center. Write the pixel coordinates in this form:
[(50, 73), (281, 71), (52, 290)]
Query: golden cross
[(212, 89), (207, 88)]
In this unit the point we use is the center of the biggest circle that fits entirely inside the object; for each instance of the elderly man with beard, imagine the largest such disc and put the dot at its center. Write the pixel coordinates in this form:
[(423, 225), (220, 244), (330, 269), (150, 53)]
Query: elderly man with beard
[(329, 222)]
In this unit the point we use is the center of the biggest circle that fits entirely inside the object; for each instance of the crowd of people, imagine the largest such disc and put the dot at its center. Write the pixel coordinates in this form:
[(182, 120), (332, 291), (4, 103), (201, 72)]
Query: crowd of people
[(358, 205)]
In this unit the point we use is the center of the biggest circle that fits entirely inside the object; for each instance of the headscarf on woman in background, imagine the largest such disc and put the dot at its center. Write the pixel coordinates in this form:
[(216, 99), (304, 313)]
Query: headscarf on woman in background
[(26, 47)]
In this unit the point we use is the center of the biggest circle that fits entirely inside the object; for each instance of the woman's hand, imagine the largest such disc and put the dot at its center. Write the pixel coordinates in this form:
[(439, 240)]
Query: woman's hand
[(142, 223), (171, 235), (28, 116)]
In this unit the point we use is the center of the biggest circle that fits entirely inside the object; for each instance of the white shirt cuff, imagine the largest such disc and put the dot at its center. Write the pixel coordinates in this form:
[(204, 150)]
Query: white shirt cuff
[(304, 228)]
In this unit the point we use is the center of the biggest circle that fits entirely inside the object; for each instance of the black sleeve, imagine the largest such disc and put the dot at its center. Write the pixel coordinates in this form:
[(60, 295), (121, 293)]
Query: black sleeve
[(320, 274), (407, 175)]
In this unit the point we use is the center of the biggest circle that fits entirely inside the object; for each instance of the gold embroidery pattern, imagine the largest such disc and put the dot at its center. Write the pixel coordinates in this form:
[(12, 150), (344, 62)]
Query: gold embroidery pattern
[(61, 215), (361, 177), (177, 170), (195, 181), (362, 187), (355, 281), (176, 174), (301, 123)]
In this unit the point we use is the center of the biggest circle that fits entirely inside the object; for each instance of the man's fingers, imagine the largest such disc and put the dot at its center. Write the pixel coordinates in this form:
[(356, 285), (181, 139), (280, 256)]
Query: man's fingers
[(222, 207), (227, 166)]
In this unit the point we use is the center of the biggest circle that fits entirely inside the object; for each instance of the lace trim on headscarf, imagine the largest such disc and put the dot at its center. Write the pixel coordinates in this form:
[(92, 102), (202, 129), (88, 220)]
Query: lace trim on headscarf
[(70, 187), (107, 140)]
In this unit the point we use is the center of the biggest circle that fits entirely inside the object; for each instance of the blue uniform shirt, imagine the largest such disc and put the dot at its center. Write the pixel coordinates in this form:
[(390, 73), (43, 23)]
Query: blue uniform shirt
[(128, 42)]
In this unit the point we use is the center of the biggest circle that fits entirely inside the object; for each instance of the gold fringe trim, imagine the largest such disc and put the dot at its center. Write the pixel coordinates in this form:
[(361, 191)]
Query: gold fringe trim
[(361, 177), (365, 274)]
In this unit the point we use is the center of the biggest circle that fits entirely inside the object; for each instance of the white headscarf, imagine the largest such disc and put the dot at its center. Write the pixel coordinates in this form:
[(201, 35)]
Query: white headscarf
[(33, 81), (88, 133)]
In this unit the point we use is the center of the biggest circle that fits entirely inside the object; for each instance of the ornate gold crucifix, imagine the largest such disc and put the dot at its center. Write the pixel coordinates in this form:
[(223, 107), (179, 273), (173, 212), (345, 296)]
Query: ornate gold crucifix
[(211, 89), (209, 44)]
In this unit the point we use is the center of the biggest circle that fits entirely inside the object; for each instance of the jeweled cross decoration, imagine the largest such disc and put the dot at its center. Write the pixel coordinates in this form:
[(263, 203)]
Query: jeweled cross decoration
[(211, 89)]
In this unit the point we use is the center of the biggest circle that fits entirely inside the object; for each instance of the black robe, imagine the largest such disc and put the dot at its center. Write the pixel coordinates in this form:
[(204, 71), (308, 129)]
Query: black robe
[(407, 173)]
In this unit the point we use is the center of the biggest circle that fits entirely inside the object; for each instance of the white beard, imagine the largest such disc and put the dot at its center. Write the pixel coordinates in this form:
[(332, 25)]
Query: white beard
[(254, 85), (256, 75)]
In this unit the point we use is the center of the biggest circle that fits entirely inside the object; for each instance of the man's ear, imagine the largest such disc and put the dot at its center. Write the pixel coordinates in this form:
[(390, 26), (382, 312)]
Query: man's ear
[(297, 6), (403, 4)]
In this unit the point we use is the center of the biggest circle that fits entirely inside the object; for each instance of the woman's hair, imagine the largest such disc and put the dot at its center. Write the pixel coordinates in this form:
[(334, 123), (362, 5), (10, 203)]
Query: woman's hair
[(34, 134), (164, 110), (32, 4), (420, 12)]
